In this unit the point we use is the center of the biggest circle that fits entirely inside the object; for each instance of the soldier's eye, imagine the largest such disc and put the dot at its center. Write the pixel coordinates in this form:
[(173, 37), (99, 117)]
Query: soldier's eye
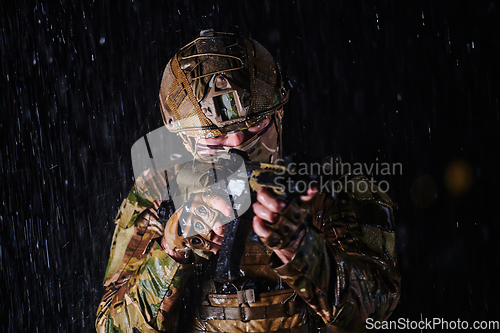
[(199, 226), (202, 210)]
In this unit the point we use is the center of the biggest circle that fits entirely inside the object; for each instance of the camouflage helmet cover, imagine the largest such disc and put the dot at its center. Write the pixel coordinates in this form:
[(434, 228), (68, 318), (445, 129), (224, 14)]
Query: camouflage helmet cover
[(220, 83)]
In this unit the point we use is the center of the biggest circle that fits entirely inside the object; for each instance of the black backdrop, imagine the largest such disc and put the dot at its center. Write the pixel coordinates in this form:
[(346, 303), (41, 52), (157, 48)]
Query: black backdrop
[(415, 83)]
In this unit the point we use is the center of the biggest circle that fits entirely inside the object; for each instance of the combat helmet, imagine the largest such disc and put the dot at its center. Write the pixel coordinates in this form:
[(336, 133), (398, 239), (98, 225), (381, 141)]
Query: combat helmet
[(220, 83)]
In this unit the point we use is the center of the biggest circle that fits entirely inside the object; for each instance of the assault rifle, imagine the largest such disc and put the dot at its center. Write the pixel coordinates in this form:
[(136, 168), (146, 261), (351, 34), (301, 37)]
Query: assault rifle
[(288, 180), (285, 181)]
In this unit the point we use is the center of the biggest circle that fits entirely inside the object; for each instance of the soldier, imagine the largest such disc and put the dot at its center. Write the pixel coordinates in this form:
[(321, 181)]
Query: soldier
[(224, 91)]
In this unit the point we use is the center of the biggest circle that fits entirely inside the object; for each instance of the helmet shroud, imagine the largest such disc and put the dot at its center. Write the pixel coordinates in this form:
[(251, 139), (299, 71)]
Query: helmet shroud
[(220, 83)]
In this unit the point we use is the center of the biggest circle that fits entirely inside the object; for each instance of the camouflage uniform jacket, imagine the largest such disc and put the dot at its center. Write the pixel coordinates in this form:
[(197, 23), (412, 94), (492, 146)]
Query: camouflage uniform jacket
[(344, 270)]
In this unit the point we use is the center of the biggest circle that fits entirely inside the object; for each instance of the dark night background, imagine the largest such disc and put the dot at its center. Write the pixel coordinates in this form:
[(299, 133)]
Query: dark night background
[(405, 82)]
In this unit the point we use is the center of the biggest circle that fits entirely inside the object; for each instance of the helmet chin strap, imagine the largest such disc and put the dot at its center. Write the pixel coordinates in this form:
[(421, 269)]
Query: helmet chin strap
[(279, 128)]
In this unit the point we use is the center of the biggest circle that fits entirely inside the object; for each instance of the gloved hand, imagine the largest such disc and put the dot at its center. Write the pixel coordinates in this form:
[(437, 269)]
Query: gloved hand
[(281, 226), (197, 226)]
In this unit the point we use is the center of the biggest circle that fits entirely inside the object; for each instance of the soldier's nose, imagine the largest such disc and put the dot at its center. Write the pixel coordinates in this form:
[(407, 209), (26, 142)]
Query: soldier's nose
[(235, 139)]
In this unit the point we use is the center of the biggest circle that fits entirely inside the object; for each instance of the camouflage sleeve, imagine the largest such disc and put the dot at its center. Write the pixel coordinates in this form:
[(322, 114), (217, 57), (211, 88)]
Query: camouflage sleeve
[(143, 283), (345, 266)]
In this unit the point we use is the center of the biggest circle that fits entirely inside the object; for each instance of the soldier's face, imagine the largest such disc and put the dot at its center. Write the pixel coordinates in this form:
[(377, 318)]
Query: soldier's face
[(235, 139)]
